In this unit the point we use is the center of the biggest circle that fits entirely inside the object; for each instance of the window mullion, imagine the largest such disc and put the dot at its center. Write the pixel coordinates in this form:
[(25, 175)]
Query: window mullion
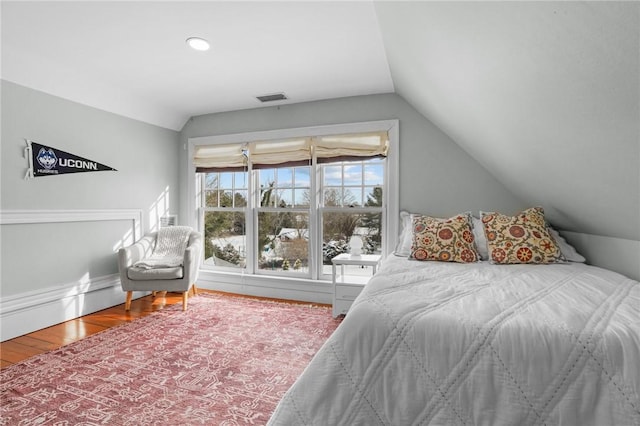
[(342, 189), (315, 243), (201, 195), (250, 220)]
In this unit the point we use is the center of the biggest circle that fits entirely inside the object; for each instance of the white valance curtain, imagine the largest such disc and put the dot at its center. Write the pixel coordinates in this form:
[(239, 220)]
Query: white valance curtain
[(220, 158), (290, 152), (351, 147)]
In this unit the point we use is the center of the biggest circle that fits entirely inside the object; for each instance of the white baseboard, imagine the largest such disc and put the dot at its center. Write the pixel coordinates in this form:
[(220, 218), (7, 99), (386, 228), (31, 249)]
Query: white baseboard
[(267, 286), (31, 311)]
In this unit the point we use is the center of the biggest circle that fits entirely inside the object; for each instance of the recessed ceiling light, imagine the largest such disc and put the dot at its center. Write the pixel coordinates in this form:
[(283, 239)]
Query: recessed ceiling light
[(198, 43)]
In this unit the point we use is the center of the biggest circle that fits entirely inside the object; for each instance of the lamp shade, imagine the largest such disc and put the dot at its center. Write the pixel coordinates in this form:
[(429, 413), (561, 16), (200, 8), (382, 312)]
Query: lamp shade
[(355, 245)]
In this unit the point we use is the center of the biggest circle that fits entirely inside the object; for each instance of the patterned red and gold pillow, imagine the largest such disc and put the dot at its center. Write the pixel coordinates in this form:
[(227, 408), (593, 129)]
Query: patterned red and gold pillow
[(522, 238), (447, 240)]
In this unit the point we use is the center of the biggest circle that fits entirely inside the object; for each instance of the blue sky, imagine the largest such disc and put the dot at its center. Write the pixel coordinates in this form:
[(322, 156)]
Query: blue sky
[(355, 178)]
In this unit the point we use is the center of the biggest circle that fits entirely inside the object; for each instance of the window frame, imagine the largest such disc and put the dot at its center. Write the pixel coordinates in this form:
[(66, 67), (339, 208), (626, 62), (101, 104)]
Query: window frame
[(360, 208), (390, 213), (257, 209), (204, 209)]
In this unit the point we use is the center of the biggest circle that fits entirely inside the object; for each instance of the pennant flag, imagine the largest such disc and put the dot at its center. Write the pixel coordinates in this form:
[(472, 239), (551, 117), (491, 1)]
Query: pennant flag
[(47, 161)]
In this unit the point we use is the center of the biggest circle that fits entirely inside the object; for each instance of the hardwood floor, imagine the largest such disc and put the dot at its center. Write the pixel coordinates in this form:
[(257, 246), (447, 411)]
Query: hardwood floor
[(23, 347)]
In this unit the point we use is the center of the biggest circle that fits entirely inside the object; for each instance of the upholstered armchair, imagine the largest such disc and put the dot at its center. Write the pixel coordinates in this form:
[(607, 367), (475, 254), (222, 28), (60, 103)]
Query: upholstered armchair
[(178, 275)]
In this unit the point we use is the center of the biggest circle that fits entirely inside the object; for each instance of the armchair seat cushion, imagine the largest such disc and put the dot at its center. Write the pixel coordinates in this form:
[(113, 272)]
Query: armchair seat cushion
[(144, 274), (155, 273)]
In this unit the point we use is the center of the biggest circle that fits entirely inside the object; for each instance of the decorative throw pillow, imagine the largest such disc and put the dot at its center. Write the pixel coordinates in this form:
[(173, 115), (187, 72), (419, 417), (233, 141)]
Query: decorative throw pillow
[(523, 238), (448, 240)]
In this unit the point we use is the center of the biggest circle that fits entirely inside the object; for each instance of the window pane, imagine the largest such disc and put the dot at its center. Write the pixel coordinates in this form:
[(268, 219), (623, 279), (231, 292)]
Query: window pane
[(267, 177), (240, 199), (283, 242), (285, 198), (241, 180), (338, 227), (226, 199), (267, 196), (211, 181), (211, 198), (370, 229), (373, 196), (332, 175), (353, 174), (301, 197), (285, 177), (225, 239), (374, 174), (303, 178), (333, 197), (226, 180), (353, 197)]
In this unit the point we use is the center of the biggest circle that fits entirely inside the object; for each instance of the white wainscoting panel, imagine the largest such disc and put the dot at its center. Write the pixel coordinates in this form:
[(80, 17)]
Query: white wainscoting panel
[(16, 217), (33, 310)]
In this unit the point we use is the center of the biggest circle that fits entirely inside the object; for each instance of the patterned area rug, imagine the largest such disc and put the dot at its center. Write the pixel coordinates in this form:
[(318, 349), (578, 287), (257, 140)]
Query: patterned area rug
[(225, 361)]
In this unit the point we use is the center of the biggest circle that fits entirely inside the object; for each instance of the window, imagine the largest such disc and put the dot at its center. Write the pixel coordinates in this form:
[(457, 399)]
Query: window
[(284, 220), (352, 205), (225, 201), (286, 206)]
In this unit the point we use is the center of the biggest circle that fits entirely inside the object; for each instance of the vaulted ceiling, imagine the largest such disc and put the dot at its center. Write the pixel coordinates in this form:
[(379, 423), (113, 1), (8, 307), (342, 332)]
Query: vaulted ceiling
[(545, 95), (131, 57)]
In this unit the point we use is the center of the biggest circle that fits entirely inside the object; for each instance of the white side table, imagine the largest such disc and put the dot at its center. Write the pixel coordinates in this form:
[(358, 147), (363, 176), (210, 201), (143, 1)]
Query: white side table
[(347, 287)]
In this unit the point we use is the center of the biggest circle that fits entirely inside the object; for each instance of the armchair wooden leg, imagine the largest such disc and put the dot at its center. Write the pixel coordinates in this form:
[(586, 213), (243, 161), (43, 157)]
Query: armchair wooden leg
[(195, 290), (153, 293), (185, 296), (127, 303)]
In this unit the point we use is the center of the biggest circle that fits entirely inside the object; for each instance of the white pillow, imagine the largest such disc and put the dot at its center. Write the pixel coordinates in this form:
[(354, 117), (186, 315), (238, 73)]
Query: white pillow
[(403, 247), (481, 239), (568, 251)]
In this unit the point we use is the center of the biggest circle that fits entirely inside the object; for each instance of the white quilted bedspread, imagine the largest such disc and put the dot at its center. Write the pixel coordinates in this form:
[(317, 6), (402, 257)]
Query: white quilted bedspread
[(430, 343)]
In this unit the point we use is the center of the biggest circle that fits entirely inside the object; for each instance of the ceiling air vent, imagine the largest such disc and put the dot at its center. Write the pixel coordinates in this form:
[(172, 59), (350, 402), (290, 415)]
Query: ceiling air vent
[(271, 98)]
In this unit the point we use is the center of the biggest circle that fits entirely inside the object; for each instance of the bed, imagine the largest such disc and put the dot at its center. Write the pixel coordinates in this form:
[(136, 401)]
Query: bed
[(444, 343)]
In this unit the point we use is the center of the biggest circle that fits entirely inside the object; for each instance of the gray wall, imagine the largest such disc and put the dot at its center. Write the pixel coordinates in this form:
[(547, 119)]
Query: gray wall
[(436, 176), (45, 255), (545, 95)]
